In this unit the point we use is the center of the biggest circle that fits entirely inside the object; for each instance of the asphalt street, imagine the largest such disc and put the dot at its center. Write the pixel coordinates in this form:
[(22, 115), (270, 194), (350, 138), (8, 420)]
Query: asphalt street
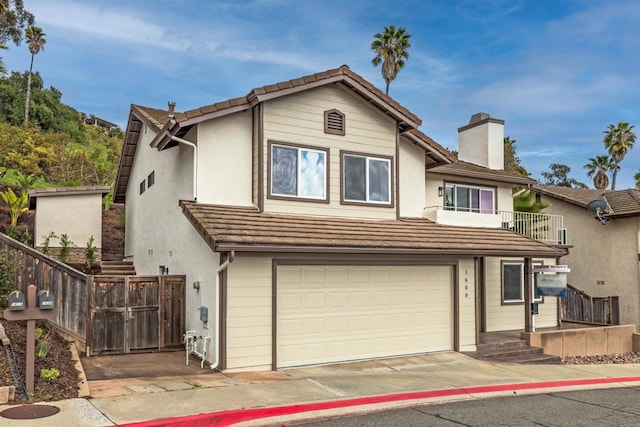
[(605, 407)]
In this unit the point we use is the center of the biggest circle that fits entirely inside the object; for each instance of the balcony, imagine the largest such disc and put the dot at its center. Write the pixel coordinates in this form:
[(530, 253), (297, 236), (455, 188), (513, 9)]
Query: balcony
[(541, 227)]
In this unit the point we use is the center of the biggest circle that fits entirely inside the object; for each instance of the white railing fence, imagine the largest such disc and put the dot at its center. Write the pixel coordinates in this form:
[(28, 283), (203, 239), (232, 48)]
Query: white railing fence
[(542, 227)]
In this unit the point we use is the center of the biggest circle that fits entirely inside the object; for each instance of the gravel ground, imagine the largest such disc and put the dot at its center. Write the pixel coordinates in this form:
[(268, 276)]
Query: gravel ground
[(602, 359)]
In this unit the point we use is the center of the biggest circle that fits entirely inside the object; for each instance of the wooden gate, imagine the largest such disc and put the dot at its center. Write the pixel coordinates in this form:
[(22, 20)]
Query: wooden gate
[(135, 313)]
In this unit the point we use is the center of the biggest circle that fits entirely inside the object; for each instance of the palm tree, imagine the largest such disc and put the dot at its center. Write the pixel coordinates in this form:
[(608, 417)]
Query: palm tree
[(597, 168), (636, 177), (618, 140), (391, 49), (36, 41), (3, 70)]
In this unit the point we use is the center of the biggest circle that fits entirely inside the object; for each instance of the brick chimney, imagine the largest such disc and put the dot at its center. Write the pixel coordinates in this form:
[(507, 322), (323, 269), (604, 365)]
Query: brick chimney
[(481, 142)]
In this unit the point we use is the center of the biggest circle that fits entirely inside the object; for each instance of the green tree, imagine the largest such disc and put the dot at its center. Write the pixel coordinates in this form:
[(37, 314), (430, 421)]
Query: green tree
[(36, 41), (636, 178), (13, 19), (618, 140), (391, 48), (24, 182), (511, 159), (597, 168), (526, 201), (558, 174), (17, 204)]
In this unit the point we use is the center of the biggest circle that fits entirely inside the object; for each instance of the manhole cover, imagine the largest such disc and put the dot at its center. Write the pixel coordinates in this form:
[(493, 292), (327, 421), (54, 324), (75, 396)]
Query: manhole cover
[(29, 412)]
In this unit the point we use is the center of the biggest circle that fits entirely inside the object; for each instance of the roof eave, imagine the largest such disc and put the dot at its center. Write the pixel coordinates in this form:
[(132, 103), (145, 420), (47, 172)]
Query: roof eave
[(239, 247)]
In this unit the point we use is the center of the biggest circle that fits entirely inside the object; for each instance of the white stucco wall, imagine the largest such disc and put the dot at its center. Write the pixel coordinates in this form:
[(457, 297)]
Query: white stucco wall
[(483, 145), (78, 215), (412, 179), (467, 304), (603, 258), (158, 233), (224, 160)]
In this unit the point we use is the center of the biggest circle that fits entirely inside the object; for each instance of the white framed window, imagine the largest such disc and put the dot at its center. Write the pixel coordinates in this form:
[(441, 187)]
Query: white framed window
[(468, 198), (366, 179), (513, 282), (297, 171)]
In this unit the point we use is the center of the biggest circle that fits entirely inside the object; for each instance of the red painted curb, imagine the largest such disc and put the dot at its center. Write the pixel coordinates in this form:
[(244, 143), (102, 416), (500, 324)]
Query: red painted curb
[(230, 417)]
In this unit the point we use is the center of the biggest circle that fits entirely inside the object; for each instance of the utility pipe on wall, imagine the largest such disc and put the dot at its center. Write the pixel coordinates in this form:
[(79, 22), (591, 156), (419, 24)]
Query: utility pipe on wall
[(220, 269), (195, 163)]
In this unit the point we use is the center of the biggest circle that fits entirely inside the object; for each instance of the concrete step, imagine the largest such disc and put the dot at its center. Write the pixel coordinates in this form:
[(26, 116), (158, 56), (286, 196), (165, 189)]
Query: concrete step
[(514, 351)]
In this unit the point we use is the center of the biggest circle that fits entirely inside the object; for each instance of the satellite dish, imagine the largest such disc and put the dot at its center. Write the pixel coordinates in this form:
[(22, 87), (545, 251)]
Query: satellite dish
[(598, 207)]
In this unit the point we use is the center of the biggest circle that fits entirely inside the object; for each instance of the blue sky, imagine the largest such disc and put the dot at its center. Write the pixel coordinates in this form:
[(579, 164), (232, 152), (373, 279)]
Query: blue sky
[(558, 72)]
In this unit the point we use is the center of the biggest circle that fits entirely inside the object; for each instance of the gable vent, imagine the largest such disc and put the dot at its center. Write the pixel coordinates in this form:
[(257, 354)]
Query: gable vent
[(334, 122)]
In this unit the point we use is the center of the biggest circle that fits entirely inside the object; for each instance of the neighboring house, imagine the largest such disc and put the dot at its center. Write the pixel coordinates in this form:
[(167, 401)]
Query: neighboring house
[(74, 211), (603, 258), (304, 201)]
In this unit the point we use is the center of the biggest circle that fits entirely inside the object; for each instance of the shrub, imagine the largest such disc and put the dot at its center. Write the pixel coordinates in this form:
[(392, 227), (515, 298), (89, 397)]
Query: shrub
[(42, 349), (8, 268), (90, 253), (65, 246), (47, 241), (50, 374)]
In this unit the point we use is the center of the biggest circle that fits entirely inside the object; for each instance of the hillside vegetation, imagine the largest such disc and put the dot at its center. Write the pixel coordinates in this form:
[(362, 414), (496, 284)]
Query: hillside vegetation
[(57, 147)]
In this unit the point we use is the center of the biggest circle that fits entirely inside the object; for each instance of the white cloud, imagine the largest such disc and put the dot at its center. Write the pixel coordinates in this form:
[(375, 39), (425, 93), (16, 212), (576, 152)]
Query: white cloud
[(94, 21)]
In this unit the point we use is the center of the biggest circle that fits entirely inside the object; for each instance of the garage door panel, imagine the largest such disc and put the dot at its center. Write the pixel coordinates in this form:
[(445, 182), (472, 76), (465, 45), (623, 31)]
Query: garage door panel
[(362, 312)]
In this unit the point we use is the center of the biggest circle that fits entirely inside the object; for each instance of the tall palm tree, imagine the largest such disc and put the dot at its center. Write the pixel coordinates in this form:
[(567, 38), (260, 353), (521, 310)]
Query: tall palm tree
[(391, 48), (597, 168), (3, 70), (636, 177), (36, 42), (618, 140)]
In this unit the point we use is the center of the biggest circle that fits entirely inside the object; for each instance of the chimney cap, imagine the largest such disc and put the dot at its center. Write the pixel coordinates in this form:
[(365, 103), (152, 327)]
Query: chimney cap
[(478, 117), (172, 108)]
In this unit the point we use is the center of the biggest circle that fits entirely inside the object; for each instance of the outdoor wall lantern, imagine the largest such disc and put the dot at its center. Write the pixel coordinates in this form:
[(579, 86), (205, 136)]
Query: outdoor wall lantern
[(440, 191)]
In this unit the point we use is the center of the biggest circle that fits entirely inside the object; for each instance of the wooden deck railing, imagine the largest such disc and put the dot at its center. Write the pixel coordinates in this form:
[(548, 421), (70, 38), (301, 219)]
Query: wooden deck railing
[(577, 306), (68, 285)]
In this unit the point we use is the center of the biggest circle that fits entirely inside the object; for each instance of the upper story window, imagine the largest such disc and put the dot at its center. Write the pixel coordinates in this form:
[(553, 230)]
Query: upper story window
[(334, 122), (366, 179), (298, 171), (468, 198)]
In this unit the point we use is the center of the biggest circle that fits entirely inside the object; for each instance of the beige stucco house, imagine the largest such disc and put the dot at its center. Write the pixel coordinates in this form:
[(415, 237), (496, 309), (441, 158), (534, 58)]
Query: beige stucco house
[(603, 257), (318, 224), (74, 211)]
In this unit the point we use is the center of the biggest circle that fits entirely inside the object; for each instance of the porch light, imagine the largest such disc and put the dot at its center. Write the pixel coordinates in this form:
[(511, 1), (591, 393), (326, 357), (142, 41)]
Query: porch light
[(440, 191)]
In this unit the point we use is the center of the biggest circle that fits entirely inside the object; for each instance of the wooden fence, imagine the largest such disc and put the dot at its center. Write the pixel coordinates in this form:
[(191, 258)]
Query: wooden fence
[(68, 285), (145, 313), (577, 306)]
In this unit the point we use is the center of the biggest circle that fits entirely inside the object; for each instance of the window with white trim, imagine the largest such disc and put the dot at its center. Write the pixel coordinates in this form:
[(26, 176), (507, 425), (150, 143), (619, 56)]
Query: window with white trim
[(298, 172), (366, 179), (468, 198), (513, 282)]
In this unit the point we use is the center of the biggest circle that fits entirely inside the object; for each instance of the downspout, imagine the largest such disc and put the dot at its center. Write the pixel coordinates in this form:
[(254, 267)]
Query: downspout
[(195, 163), (219, 270)]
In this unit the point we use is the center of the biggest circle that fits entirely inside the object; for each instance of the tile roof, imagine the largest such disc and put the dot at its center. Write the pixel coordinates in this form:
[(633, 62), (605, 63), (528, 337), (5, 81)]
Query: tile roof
[(227, 228), (155, 117), (435, 153), (342, 74), (622, 202), (465, 169)]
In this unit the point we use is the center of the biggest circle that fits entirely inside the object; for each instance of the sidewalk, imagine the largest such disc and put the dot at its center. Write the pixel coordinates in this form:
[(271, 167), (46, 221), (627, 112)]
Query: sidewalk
[(265, 398)]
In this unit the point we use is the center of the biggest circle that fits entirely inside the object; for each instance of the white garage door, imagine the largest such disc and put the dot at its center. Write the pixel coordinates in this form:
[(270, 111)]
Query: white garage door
[(338, 313)]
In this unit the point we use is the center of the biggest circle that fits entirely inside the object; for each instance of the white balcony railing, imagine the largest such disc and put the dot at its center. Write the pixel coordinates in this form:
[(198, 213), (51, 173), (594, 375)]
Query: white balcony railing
[(542, 227)]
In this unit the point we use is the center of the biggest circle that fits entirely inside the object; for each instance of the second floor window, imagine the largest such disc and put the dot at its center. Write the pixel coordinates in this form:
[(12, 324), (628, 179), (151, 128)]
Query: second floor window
[(366, 179), (469, 198), (298, 172)]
